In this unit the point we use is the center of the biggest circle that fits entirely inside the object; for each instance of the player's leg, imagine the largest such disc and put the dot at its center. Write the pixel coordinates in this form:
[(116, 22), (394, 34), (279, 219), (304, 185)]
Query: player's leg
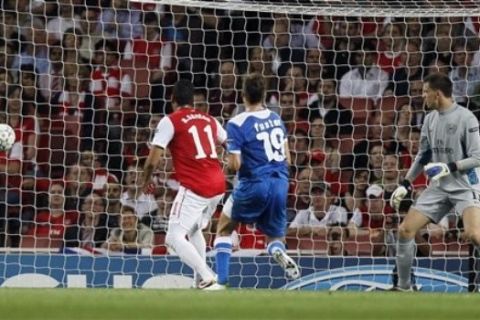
[(223, 243), (197, 237), (468, 204), (413, 222), (273, 223), (430, 206), (471, 222), (185, 219)]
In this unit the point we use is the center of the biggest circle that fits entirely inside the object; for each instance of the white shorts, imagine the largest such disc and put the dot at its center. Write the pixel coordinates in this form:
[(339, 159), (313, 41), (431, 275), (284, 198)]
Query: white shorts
[(192, 211)]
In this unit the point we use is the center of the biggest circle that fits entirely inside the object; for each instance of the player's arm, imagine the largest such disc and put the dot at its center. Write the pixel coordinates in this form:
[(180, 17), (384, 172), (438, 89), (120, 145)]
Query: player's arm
[(163, 136), (470, 155), (471, 146), (154, 157), (234, 147)]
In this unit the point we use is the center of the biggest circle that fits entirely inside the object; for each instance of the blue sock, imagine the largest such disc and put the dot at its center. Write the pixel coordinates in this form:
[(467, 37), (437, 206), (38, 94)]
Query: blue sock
[(223, 248), (274, 246)]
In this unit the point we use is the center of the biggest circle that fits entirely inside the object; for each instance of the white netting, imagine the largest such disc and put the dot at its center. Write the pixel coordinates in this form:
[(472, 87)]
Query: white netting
[(85, 83)]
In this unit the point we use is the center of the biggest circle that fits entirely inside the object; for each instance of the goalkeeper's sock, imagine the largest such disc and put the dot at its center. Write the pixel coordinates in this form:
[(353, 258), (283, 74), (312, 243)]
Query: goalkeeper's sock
[(223, 248), (274, 246), (405, 255)]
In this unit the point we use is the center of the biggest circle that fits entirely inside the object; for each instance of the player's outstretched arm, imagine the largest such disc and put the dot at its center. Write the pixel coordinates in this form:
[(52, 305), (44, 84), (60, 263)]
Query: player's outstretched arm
[(156, 153)]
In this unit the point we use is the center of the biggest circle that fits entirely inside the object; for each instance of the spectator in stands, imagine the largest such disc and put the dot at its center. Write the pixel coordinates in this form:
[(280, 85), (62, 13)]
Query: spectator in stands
[(35, 48), (366, 79), (120, 21), (317, 139), (337, 119), (101, 175), (288, 110), (51, 83), (66, 19), (300, 186), (91, 28), (200, 101), (316, 70), (416, 101), (6, 79), (33, 101), (92, 230), (78, 185), (391, 174), (7, 55), (285, 49), (347, 38), (132, 236), (113, 204), (71, 45), (403, 123), (464, 75), (152, 61), (52, 222), (298, 146), (391, 47), (77, 105), (437, 65), (135, 145), (375, 161), (144, 204), (375, 223), (412, 70), (354, 198), (260, 61), (322, 213), (224, 96)]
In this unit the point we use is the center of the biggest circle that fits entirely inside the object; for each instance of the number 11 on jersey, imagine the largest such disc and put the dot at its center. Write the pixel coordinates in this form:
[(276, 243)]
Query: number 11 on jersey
[(198, 142)]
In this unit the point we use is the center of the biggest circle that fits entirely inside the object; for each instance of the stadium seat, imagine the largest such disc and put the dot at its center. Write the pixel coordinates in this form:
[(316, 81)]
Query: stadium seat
[(35, 242), (159, 246)]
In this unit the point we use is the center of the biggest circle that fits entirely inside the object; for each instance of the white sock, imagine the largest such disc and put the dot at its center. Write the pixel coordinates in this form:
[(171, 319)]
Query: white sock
[(198, 241), (187, 252)]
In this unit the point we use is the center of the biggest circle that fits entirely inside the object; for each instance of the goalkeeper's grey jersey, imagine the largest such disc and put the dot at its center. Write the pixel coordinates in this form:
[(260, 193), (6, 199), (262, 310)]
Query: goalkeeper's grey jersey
[(449, 136)]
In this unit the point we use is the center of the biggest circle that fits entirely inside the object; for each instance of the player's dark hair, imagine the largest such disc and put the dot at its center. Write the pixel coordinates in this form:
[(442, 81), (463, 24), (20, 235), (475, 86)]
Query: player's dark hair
[(441, 82), (254, 88), (183, 93)]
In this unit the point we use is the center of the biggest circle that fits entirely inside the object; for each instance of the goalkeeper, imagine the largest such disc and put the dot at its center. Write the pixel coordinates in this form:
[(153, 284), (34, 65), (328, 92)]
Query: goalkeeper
[(449, 154)]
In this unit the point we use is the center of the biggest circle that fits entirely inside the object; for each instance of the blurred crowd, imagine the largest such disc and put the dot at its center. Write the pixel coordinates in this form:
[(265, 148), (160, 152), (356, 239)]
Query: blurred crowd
[(85, 82)]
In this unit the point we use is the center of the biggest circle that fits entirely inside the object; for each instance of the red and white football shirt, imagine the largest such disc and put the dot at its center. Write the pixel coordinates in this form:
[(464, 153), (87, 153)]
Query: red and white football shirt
[(191, 136)]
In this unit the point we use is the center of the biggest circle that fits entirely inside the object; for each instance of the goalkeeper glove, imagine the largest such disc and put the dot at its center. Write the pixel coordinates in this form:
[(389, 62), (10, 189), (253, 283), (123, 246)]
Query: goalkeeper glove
[(437, 170), (400, 193)]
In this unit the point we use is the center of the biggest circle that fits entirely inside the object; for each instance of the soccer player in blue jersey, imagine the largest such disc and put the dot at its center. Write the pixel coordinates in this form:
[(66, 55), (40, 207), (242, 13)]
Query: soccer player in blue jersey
[(258, 151)]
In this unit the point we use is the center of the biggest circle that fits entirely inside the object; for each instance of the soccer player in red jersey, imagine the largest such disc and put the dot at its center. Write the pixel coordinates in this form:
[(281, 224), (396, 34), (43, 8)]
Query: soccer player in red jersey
[(191, 136)]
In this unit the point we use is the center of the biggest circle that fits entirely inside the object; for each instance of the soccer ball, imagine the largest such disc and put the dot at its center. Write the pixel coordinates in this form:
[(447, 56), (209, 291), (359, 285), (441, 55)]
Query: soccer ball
[(7, 137)]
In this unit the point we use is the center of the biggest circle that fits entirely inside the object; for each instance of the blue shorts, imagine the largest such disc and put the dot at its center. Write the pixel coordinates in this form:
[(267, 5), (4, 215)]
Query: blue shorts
[(263, 202)]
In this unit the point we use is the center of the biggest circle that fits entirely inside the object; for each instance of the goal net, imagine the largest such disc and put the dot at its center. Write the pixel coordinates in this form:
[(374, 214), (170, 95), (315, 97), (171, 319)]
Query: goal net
[(84, 84)]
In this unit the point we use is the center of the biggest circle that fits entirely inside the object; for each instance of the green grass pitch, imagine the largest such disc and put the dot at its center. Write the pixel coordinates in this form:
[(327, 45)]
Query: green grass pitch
[(233, 304)]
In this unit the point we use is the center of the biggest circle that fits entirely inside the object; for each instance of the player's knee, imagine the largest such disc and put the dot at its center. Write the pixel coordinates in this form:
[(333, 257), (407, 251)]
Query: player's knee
[(173, 236), (405, 232)]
